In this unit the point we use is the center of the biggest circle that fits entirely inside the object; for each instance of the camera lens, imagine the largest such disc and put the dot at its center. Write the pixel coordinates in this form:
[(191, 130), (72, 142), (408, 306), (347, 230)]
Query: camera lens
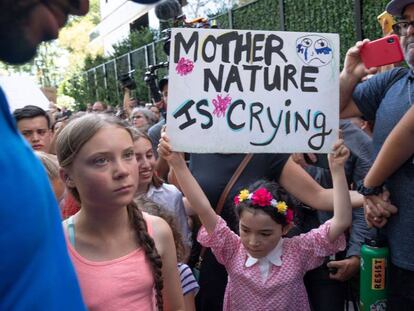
[(390, 40)]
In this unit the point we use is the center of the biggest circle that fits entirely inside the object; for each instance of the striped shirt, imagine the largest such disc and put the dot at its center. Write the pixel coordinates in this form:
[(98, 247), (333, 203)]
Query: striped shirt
[(188, 281)]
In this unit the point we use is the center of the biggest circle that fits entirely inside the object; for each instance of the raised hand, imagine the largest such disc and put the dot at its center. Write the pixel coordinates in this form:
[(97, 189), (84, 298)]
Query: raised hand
[(165, 151), (338, 156)]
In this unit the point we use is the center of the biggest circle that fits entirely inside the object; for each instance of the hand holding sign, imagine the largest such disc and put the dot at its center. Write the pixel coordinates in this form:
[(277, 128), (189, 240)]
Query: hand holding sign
[(166, 152)]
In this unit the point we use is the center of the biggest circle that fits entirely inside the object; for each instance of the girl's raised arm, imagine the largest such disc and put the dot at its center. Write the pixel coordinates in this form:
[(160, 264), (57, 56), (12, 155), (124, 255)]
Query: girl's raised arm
[(189, 186), (397, 149), (342, 207)]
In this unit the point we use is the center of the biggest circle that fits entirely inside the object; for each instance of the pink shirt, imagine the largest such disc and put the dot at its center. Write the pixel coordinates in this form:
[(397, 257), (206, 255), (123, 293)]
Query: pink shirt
[(284, 288), (125, 283)]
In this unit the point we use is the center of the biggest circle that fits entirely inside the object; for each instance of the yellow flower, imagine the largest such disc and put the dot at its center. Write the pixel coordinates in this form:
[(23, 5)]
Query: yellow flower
[(281, 207), (244, 195)]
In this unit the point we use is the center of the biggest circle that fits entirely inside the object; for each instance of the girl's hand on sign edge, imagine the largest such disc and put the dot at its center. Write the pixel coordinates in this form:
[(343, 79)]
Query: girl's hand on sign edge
[(339, 155), (164, 148), (165, 151)]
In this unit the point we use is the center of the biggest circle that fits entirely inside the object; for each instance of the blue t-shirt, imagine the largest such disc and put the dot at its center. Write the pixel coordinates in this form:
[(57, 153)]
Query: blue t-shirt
[(35, 269), (385, 98)]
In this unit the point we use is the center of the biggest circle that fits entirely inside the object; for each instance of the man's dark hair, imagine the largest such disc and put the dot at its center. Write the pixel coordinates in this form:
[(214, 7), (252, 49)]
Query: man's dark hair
[(163, 82), (30, 112)]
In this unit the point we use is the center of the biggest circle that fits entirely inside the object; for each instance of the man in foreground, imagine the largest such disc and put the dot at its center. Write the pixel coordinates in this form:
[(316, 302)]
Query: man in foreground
[(35, 270)]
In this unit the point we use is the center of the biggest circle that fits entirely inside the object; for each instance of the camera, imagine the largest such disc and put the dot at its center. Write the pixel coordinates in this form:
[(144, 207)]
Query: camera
[(171, 11), (127, 81), (150, 79)]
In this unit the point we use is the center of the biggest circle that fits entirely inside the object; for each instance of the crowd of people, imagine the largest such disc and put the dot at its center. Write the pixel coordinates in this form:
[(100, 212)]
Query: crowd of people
[(100, 213)]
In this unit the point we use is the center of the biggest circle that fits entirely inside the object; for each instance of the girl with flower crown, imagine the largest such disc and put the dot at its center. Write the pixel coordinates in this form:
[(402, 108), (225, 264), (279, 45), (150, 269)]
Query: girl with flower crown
[(265, 271)]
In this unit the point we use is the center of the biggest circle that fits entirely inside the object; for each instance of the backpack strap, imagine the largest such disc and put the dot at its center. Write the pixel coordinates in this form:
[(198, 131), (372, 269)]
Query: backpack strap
[(224, 194)]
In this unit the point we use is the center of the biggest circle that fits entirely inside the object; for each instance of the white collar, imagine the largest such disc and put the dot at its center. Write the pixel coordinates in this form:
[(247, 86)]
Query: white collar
[(273, 257), (152, 189)]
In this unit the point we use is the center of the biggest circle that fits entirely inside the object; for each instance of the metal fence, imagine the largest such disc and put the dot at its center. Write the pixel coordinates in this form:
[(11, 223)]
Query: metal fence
[(102, 80)]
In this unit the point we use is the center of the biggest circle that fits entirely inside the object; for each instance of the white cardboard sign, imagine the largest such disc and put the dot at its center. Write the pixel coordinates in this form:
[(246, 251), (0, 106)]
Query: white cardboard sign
[(23, 91), (239, 91)]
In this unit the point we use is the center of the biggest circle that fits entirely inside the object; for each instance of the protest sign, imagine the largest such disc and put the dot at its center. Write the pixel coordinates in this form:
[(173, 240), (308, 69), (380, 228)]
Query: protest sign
[(238, 91), (22, 91)]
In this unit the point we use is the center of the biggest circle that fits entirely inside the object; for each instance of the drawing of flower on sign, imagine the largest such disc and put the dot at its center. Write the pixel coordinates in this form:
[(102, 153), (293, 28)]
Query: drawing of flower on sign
[(220, 105), (184, 66)]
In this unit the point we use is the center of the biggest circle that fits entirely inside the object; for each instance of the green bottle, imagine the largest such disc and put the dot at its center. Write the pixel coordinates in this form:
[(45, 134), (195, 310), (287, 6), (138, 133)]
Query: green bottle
[(373, 278)]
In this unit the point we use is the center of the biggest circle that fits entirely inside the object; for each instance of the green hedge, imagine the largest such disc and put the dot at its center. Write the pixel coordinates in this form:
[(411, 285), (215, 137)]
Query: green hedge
[(332, 16), (370, 10), (223, 21), (257, 15)]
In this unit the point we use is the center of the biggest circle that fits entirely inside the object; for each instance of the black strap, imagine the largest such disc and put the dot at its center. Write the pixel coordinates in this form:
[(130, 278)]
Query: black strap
[(225, 193)]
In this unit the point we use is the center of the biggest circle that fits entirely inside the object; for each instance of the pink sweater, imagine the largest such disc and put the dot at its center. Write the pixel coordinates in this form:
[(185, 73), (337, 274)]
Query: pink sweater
[(284, 288), (125, 283)]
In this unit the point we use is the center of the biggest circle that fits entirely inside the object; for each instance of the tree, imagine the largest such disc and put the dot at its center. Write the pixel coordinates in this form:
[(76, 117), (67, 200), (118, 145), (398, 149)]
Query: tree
[(48, 67), (135, 40), (197, 8), (193, 7), (74, 38)]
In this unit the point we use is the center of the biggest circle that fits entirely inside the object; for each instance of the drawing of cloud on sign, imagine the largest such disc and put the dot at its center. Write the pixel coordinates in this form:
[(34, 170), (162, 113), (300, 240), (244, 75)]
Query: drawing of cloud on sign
[(314, 50)]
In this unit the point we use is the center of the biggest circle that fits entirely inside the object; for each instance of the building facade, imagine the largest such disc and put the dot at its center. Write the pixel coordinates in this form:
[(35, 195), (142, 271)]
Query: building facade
[(118, 19)]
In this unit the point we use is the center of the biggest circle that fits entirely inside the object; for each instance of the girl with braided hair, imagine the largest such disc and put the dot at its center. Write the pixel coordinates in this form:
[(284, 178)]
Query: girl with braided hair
[(124, 259)]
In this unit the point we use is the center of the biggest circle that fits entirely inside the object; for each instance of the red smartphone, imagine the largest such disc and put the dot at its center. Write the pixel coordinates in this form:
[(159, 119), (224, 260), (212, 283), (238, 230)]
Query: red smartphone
[(382, 52)]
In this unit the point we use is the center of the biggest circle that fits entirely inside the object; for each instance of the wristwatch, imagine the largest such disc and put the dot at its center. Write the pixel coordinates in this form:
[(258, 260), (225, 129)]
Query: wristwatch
[(365, 191)]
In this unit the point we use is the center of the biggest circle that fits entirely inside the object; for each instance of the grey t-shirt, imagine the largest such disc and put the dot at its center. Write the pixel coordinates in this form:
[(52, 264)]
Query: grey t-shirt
[(385, 98), (356, 167)]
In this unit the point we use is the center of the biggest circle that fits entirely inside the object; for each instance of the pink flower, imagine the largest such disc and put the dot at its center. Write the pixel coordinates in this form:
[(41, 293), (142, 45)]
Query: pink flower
[(261, 197), (236, 200), (184, 66), (289, 216), (220, 105)]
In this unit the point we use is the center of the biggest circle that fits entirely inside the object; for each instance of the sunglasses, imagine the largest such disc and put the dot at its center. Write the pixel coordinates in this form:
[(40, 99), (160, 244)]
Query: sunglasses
[(401, 28)]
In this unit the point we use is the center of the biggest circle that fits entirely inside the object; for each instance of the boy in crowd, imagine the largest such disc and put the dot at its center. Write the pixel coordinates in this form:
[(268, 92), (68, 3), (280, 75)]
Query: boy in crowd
[(34, 124)]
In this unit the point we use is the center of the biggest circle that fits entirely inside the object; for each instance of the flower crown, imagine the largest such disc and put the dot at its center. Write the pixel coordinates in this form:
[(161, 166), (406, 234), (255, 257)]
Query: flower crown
[(262, 197)]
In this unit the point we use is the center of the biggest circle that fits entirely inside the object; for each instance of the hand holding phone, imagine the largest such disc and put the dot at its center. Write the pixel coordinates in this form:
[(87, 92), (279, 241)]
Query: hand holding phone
[(384, 51)]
